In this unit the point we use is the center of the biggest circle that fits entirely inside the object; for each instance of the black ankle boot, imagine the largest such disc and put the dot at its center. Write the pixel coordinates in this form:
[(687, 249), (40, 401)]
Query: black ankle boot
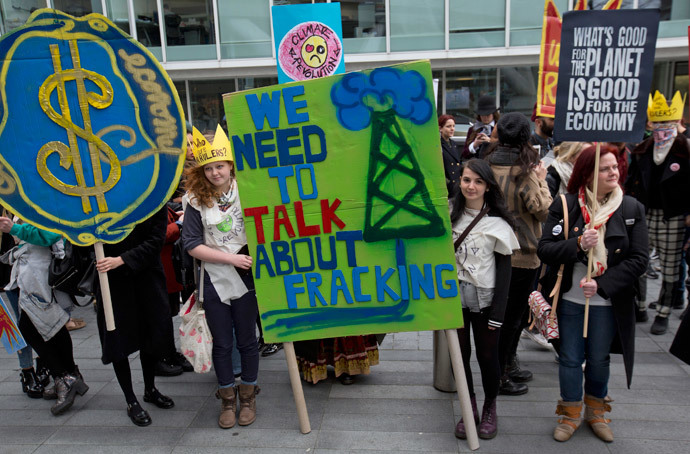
[(67, 387), (30, 383), (42, 372), (508, 387), (515, 373)]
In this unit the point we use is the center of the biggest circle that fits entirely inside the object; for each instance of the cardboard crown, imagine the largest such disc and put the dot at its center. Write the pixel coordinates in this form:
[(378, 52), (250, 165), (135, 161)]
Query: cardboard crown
[(205, 152), (659, 111)]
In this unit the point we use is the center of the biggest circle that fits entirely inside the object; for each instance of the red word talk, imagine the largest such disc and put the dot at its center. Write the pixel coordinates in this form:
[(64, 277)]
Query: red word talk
[(281, 218)]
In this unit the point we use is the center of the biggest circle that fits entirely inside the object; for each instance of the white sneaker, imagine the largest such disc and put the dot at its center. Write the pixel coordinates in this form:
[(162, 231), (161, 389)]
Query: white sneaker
[(538, 338)]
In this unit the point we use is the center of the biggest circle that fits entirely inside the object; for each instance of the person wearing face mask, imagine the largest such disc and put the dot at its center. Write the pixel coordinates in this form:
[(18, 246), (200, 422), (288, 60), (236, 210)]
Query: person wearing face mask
[(451, 153), (659, 177), (479, 135)]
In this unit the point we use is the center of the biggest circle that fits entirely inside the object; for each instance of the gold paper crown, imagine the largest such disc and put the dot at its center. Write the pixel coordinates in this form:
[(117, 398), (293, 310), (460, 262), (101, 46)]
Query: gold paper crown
[(204, 152), (659, 111)]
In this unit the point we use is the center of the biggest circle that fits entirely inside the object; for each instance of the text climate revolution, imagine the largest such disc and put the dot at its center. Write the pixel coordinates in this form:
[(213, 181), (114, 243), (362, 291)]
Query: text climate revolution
[(295, 250)]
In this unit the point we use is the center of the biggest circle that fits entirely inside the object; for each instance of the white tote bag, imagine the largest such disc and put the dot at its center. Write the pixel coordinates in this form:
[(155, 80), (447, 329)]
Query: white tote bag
[(196, 341)]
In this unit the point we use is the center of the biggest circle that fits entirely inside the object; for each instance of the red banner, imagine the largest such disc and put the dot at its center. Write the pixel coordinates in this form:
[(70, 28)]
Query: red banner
[(548, 61), (613, 4)]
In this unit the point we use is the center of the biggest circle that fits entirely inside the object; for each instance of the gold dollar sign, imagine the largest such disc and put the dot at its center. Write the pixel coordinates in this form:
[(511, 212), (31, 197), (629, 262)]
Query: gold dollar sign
[(69, 155)]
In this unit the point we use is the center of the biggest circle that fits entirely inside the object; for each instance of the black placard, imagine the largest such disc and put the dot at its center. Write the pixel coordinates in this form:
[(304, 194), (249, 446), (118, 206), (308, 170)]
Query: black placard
[(605, 73)]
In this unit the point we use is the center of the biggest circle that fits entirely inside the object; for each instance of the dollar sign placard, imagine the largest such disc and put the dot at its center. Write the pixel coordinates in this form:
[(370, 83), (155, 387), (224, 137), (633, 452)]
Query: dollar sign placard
[(69, 154)]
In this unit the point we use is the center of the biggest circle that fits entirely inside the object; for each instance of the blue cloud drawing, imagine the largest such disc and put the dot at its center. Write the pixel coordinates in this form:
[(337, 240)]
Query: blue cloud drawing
[(357, 95)]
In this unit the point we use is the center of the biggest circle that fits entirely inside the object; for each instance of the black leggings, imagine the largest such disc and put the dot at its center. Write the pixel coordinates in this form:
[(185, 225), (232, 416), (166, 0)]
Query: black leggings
[(56, 352), (521, 285), (486, 344), (124, 375)]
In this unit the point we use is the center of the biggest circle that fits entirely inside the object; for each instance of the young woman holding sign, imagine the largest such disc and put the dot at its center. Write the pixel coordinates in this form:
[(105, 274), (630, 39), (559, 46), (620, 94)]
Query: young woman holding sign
[(615, 231), (214, 233), (482, 256)]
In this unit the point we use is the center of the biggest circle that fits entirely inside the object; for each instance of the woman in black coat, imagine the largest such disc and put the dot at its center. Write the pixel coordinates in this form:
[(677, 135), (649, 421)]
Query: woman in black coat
[(451, 152), (140, 309), (617, 238)]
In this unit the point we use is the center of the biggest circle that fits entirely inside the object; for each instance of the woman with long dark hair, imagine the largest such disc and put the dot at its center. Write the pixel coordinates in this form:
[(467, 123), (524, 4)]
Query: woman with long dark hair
[(612, 227), (483, 255), (522, 177)]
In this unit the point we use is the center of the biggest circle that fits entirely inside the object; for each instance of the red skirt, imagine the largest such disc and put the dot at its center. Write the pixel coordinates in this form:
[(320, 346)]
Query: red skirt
[(351, 355)]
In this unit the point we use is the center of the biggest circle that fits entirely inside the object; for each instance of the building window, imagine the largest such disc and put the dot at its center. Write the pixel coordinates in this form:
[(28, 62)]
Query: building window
[(15, 12), (247, 83), (76, 8), (519, 89), (245, 29), (206, 97), (526, 18), (189, 29), (364, 25), (463, 89), (475, 25), (148, 32), (182, 94), (417, 25)]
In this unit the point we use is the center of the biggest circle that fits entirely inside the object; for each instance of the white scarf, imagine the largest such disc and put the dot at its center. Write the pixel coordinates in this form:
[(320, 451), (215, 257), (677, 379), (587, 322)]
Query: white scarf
[(664, 135), (603, 212)]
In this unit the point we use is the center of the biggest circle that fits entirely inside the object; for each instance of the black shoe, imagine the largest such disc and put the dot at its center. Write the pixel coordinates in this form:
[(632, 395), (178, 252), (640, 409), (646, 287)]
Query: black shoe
[(271, 349), (515, 373), (42, 372), (652, 305), (660, 325), (510, 388), (31, 384), (181, 360), (67, 387), (641, 316), (138, 415), (159, 400), (679, 305), (166, 369), (346, 379)]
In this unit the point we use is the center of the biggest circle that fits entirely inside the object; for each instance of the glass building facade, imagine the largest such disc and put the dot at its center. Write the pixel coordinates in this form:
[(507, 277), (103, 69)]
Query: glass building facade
[(211, 47)]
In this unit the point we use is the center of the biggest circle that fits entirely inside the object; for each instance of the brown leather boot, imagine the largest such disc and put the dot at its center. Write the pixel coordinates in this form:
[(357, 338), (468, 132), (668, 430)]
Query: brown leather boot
[(247, 395), (569, 421), (228, 406), (594, 415)]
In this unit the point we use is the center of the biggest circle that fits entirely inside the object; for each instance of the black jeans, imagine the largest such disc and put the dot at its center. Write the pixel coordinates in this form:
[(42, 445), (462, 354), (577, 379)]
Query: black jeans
[(221, 318), (56, 352), (486, 345), (521, 285)]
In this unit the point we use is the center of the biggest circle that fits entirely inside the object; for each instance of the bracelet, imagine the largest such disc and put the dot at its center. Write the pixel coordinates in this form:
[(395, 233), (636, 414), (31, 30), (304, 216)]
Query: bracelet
[(579, 244)]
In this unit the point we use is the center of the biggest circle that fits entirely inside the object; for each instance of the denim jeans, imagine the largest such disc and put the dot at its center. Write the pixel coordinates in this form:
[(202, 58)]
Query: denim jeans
[(25, 355), (575, 349)]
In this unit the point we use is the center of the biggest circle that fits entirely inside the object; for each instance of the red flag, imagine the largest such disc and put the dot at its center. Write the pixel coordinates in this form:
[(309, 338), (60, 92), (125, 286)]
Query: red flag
[(613, 4), (580, 5), (548, 61)]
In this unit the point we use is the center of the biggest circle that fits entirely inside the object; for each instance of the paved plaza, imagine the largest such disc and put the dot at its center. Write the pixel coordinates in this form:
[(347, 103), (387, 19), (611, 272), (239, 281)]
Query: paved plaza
[(394, 409)]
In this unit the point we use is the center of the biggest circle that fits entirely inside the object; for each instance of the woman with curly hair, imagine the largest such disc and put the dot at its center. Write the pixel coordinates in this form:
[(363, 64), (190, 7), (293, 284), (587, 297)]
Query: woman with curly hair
[(214, 232)]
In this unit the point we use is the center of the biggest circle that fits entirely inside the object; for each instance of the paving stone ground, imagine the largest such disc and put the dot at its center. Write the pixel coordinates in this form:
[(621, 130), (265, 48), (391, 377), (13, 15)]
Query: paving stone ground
[(394, 409)]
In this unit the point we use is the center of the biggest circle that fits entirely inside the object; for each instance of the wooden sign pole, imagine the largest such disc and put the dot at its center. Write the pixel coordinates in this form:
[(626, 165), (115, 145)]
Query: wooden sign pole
[(297, 391), (595, 205), (105, 290), (461, 385)]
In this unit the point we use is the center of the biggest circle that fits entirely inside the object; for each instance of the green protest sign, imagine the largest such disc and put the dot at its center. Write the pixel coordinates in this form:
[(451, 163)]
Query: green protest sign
[(345, 205)]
